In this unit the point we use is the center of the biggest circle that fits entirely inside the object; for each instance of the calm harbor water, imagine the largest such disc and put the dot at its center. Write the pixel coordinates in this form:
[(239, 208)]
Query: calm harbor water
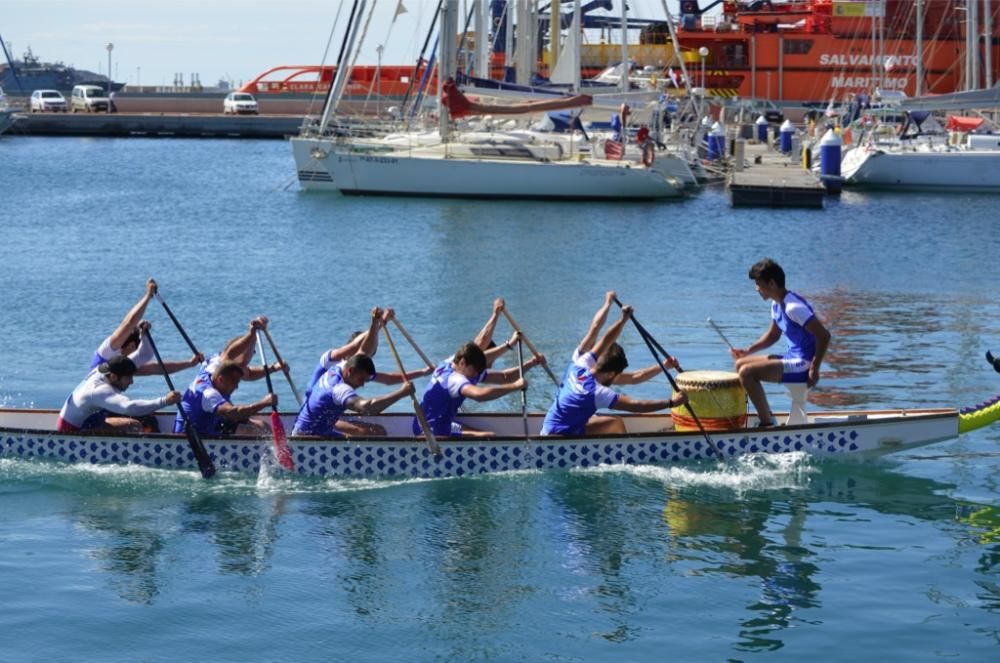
[(772, 557)]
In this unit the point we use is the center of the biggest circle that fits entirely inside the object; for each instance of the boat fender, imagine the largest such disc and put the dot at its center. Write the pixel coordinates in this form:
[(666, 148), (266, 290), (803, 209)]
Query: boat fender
[(648, 154)]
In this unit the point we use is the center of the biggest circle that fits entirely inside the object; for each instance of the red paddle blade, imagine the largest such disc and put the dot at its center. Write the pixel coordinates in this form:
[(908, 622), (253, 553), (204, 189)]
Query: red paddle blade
[(281, 449)]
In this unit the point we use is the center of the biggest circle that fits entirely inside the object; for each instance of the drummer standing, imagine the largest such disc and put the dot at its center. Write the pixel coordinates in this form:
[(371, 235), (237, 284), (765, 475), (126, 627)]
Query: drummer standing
[(807, 339), (586, 384)]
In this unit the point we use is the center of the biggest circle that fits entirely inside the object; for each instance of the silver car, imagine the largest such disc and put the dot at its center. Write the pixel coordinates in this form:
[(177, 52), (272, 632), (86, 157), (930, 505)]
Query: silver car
[(43, 101)]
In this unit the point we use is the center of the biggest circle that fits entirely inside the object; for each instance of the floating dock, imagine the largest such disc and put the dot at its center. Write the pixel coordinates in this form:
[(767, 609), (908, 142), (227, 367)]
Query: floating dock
[(153, 125), (773, 179)]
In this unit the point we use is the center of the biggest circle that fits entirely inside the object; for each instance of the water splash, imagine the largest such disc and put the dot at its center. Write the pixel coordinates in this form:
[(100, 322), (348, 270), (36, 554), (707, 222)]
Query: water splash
[(790, 471)]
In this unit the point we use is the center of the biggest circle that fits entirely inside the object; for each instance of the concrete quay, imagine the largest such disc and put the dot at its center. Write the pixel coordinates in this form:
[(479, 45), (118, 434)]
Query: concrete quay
[(187, 125)]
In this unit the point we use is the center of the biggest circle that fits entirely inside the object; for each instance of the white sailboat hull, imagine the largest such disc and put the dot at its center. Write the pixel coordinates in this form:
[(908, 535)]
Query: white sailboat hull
[(442, 171), (923, 170)]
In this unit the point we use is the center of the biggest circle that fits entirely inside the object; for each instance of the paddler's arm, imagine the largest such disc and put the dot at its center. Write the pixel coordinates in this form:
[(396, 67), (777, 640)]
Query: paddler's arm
[(769, 338), (485, 334), (369, 406), (370, 342), (643, 374), (153, 368), (478, 393), (132, 318), (243, 344), (595, 325), (511, 374), (822, 336), (614, 331), (232, 412), (492, 354), (627, 404), (253, 373), (396, 378)]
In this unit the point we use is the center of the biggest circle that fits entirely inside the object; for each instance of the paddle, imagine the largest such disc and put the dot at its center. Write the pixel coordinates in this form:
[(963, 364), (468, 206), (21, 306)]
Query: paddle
[(524, 391), (424, 426), (721, 335), (284, 367), (994, 361), (409, 339), (205, 464), (530, 345), (281, 450), (650, 341), (176, 322)]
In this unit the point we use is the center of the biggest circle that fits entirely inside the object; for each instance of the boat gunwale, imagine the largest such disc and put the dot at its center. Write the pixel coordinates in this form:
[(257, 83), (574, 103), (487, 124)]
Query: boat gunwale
[(889, 416)]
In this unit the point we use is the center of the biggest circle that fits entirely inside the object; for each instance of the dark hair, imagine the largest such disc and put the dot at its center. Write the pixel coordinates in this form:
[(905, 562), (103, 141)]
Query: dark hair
[(121, 366), (229, 368), (473, 356), (354, 335), (362, 361), (134, 337), (612, 360), (768, 270)]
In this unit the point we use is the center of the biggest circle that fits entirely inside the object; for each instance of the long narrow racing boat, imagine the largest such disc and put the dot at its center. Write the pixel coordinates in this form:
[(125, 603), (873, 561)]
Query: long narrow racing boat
[(650, 439)]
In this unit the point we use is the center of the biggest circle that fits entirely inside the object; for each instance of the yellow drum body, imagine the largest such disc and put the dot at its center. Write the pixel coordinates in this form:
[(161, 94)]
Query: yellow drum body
[(717, 397)]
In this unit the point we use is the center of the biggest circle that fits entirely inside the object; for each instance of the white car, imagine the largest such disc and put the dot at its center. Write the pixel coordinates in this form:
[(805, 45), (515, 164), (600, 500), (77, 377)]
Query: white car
[(47, 100), (239, 102)]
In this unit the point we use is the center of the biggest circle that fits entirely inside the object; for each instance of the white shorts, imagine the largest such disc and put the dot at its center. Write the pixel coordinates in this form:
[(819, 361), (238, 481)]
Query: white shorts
[(796, 370)]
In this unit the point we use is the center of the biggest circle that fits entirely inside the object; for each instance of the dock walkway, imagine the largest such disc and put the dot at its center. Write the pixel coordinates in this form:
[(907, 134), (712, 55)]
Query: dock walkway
[(773, 179)]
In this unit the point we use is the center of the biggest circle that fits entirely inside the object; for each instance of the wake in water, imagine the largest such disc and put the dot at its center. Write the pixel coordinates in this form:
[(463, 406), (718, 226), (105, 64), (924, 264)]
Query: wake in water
[(789, 471)]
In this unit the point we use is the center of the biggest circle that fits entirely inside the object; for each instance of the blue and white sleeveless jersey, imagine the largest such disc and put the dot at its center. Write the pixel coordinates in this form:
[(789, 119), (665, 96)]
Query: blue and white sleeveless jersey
[(142, 354), (206, 368), (201, 404), (322, 367), (578, 398), (326, 403), (791, 316), (443, 397)]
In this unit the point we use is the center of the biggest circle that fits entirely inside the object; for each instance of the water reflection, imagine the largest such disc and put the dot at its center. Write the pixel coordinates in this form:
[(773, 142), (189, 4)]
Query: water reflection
[(892, 345), (469, 558)]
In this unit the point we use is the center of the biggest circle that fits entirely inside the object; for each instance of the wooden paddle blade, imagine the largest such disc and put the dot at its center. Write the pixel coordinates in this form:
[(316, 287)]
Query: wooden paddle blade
[(281, 450), (205, 464)]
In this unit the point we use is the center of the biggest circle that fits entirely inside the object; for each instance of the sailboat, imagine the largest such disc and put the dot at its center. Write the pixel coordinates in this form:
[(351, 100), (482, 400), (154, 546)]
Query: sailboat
[(498, 164)]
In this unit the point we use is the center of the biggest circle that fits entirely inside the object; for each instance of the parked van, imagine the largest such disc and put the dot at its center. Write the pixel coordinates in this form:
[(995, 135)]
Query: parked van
[(89, 99)]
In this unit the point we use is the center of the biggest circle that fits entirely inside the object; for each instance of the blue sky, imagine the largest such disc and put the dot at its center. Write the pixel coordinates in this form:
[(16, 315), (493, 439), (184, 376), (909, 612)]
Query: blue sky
[(232, 39)]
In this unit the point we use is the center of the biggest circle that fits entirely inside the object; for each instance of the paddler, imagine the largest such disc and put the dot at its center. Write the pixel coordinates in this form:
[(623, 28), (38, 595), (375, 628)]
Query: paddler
[(462, 376), (210, 411), (102, 394), (807, 339), (362, 342), (128, 340), (336, 392), (586, 384)]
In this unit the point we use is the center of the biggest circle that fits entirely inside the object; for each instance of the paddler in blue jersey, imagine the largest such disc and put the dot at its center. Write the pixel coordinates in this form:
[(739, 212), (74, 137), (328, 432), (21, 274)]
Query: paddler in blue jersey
[(362, 342), (335, 393), (586, 384), (462, 376), (807, 338), (210, 410), (241, 350), (128, 340)]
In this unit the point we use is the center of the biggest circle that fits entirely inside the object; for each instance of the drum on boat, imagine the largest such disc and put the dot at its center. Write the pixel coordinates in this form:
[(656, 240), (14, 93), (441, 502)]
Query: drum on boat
[(717, 397)]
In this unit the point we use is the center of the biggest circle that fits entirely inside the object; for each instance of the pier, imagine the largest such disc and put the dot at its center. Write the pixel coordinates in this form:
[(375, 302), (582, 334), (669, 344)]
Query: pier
[(773, 179), (153, 125)]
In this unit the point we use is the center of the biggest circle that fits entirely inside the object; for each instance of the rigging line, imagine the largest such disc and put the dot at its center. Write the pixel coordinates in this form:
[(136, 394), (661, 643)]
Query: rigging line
[(322, 64), (361, 42)]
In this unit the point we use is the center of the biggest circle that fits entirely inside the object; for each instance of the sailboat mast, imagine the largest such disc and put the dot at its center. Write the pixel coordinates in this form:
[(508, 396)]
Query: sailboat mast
[(988, 35), (625, 66), (919, 89), (973, 18), (446, 61)]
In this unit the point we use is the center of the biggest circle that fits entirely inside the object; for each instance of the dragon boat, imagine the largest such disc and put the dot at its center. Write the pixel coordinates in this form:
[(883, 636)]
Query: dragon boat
[(649, 439)]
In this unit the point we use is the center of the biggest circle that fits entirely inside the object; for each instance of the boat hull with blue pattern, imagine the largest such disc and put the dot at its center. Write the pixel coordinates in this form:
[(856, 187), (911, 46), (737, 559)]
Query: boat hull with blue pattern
[(650, 439)]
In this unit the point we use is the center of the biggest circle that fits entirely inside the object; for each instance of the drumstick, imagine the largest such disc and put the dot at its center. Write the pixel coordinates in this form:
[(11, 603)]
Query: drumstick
[(721, 335)]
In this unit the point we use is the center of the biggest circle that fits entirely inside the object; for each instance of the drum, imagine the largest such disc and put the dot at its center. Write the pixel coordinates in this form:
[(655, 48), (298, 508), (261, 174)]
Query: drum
[(717, 397)]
